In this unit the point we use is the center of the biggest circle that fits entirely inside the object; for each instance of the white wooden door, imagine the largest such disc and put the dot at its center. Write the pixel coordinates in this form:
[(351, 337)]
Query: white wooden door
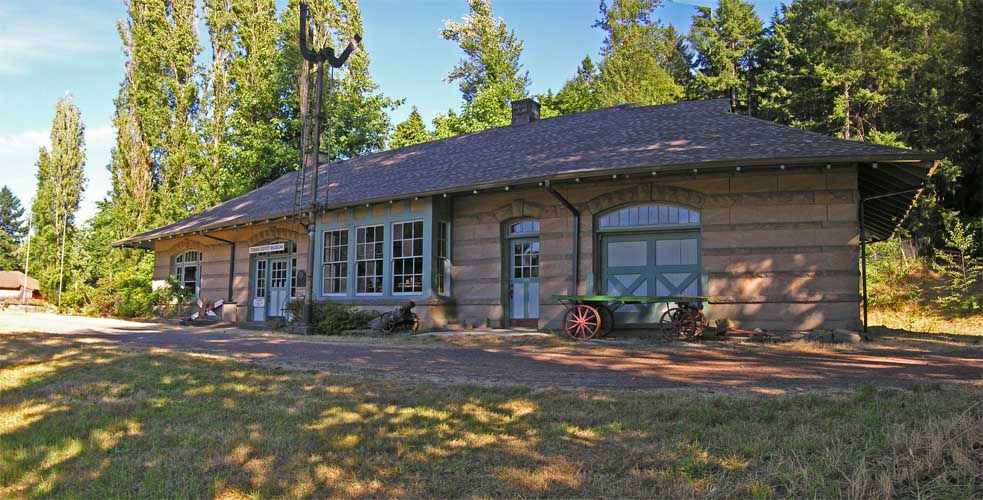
[(279, 291)]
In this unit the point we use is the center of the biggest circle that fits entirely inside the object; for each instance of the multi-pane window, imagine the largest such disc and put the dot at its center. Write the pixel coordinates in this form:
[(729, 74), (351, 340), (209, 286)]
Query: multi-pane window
[(293, 278), (442, 274), (650, 215), (261, 278), (525, 258), (278, 274), (335, 267), (368, 259), (188, 270), (407, 257)]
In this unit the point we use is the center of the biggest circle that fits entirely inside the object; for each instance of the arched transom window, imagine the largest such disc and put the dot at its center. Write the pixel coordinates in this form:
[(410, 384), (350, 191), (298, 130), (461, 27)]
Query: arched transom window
[(525, 227), (187, 269), (650, 215)]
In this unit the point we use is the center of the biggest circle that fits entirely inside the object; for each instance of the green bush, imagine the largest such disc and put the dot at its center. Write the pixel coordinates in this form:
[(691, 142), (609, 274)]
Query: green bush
[(960, 269), (889, 275), (332, 319)]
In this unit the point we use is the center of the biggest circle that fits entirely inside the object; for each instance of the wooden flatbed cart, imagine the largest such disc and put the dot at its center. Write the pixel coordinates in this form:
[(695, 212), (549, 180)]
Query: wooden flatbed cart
[(590, 316)]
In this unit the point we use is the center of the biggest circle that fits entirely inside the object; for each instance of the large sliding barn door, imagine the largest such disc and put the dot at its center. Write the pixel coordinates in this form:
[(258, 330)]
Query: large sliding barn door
[(649, 264)]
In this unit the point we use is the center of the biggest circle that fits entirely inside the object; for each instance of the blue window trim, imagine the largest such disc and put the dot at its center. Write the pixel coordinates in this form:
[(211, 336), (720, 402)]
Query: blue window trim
[(425, 214)]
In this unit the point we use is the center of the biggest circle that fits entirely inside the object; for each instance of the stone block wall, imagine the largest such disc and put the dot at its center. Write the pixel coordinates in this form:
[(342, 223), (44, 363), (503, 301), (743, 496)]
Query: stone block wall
[(779, 248), (215, 259)]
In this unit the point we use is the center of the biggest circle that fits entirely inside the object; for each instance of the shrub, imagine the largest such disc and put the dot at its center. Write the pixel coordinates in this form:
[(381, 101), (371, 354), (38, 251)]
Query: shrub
[(294, 310), (889, 275), (960, 269), (332, 319)]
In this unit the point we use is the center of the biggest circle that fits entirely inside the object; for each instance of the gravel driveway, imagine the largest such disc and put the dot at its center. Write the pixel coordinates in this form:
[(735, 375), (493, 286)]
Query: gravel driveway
[(761, 369)]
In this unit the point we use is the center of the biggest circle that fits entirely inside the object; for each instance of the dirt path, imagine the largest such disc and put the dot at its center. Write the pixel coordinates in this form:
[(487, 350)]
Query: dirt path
[(762, 369)]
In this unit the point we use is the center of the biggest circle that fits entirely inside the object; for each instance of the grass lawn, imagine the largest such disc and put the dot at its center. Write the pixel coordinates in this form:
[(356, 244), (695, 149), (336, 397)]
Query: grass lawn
[(94, 421)]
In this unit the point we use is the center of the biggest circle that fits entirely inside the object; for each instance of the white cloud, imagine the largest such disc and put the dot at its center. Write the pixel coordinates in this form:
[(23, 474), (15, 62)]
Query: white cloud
[(19, 155), (33, 34)]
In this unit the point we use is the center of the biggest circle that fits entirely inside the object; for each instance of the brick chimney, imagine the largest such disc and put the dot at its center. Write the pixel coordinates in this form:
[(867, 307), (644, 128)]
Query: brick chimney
[(524, 111)]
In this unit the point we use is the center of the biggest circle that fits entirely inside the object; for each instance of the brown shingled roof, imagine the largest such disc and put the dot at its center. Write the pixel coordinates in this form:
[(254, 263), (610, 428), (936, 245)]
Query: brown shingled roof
[(620, 138), (13, 280)]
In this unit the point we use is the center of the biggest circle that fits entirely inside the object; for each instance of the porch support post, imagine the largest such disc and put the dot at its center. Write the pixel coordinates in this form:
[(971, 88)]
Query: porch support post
[(863, 241), (576, 234), (863, 261)]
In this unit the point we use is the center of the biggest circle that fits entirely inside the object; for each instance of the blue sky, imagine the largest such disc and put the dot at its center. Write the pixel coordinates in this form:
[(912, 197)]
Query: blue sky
[(50, 48)]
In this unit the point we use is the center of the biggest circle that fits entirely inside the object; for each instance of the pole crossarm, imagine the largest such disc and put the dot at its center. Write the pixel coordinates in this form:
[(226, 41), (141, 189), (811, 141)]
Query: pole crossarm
[(326, 53)]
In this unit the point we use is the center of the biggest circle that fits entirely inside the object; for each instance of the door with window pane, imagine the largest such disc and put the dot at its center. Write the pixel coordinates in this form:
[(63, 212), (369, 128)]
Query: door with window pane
[(524, 279), (279, 290), (259, 293)]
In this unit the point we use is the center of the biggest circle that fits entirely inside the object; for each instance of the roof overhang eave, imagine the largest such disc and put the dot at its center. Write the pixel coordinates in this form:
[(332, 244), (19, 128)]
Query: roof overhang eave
[(147, 242), (923, 159)]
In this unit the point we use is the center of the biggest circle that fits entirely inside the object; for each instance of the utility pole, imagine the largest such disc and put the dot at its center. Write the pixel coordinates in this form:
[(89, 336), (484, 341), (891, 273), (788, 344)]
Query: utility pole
[(27, 257), (316, 59)]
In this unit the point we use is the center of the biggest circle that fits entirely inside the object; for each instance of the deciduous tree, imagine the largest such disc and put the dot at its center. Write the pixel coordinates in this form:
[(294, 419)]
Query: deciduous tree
[(61, 181)]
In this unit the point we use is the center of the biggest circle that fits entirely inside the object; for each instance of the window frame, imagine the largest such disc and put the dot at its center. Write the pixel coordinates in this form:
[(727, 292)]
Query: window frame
[(380, 257), (442, 259), (345, 249), (510, 227), (181, 263), (600, 226), (421, 237)]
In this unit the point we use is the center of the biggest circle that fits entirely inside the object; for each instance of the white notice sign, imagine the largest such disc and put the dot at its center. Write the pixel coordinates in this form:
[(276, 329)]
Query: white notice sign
[(259, 302), (273, 247)]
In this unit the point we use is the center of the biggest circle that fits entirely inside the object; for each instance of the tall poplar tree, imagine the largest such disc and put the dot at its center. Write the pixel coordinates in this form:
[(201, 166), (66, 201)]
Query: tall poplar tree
[(247, 135), (61, 181), (725, 40), (162, 100)]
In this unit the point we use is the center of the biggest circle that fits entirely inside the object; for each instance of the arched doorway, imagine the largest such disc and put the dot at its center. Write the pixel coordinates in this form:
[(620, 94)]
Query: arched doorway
[(522, 237)]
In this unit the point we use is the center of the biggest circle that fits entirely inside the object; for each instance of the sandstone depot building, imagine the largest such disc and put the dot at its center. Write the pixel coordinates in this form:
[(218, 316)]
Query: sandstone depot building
[(483, 229)]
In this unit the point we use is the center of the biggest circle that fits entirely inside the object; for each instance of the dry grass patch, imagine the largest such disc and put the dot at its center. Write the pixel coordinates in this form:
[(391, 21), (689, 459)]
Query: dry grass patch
[(91, 421), (917, 319)]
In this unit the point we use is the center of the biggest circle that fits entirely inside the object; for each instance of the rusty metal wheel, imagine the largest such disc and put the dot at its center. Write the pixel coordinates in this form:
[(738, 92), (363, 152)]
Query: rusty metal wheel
[(582, 322), (681, 323)]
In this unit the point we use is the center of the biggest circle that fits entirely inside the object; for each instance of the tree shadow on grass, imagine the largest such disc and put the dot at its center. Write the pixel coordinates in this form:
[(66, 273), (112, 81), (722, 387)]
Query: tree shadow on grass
[(94, 421)]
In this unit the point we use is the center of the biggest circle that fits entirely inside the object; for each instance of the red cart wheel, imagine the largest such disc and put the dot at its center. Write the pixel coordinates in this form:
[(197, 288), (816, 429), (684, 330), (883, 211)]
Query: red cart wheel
[(670, 323), (582, 322)]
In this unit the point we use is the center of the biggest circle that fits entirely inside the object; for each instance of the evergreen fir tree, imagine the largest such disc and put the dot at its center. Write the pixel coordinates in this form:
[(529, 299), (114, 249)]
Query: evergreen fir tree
[(13, 228), (725, 39), (634, 68), (409, 132)]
